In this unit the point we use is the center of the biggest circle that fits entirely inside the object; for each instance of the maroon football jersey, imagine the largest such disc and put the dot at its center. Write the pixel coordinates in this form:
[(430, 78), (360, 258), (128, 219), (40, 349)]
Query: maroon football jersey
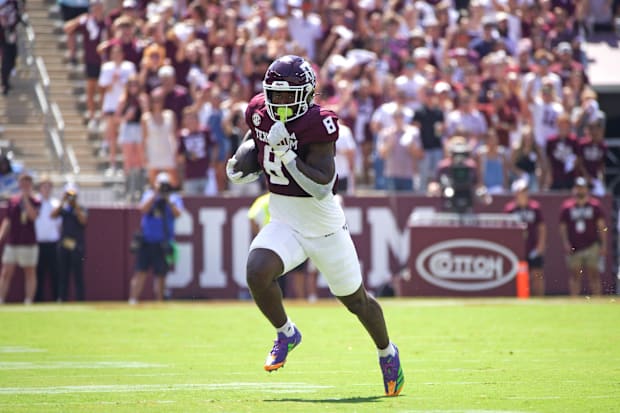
[(196, 147), (558, 151), (531, 215), (315, 126), (592, 155), (580, 222), (21, 229)]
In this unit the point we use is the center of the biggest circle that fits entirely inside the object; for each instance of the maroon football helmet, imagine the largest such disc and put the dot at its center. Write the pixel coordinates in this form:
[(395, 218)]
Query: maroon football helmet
[(294, 76)]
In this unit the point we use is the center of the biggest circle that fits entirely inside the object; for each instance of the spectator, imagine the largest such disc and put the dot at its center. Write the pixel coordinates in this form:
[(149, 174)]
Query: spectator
[(466, 120), (562, 153), (69, 10), (565, 64), (400, 148), (500, 115), (176, 97), (584, 236), (528, 161), (429, 119), (382, 119), (152, 61), (114, 76), (543, 112), (304, 26), (124, 34), (159, 208), (129, 112), (540, 75), (72, 242), (485, 43), (21, 247), (47, 230), (528, 211), (10, 16), (592, 151), (92, 26), (345, 159), (196, 151), (365, 100), (493, 164), (412, 79), (8, 177), (215, 125), (586, 112), (159, 134)]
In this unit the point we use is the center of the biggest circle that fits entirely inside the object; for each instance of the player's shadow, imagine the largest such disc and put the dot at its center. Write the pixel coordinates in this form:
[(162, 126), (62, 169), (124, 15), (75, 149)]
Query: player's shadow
[(348, 400)]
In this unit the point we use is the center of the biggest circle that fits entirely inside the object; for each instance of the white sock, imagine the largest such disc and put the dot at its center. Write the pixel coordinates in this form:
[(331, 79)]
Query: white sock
[(287, 328), (388, 351)]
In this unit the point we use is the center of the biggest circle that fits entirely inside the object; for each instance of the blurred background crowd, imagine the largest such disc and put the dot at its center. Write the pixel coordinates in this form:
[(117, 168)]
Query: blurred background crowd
[(168, 83)]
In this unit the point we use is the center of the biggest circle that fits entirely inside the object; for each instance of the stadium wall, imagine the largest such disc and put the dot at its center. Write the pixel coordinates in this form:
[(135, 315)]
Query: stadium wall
[(213, 237)]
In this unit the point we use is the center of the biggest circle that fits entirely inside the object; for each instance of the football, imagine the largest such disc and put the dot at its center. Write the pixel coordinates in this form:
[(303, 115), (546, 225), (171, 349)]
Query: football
[(247, 157)]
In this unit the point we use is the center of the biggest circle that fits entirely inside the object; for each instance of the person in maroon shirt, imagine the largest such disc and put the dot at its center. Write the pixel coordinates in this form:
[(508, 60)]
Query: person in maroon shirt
[(500, 115), (592, 151), (562, 156), (529, 212), (18, 231), (92, 26), (124, 29), (176, 97), (195, 152), (584, 237)]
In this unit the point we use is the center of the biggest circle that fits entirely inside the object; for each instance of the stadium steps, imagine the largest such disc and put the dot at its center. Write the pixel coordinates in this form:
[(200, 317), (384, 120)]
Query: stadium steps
[(22, 132), (66, 86)]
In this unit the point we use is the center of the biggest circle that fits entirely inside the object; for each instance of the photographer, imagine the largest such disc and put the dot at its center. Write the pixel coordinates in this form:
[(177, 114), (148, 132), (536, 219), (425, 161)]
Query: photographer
[(159, 208), (457, 179), (71, 245)]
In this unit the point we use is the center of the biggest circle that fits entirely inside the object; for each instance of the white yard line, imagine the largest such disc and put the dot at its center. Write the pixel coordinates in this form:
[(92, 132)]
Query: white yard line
[(129, 388), (20, 349), (27, 365)]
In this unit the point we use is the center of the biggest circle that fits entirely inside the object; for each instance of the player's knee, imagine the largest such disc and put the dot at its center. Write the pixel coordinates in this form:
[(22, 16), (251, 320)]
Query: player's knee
[(262, 269)]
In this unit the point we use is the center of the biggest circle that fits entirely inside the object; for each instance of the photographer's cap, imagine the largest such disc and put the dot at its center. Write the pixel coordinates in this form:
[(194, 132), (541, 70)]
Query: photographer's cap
[(162, 178), (71, 188)]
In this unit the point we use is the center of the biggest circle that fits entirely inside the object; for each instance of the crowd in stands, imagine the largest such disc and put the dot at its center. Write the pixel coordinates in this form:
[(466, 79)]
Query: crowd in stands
[(403, 76)]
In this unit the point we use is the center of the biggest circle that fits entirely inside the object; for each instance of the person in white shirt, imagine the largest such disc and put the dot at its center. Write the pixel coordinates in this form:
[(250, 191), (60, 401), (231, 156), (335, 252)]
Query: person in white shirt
[(305, 26), (345, 159), (47, 230), (544, 110), (114, 75)]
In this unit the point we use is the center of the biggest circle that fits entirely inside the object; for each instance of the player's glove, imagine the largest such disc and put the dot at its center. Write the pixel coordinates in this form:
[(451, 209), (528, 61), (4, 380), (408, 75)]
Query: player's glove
[(237, 177), (279, 140)]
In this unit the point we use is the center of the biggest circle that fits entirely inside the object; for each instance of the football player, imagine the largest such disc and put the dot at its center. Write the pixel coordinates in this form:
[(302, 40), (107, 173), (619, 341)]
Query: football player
[(584, 235), (529, 212), (296, 148)]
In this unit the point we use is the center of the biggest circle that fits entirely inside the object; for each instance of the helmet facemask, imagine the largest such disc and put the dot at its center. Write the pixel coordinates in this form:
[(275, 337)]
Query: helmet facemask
[(284, 110)]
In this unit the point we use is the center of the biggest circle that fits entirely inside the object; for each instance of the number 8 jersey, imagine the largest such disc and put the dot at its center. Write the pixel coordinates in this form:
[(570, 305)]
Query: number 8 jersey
[(289, 202)]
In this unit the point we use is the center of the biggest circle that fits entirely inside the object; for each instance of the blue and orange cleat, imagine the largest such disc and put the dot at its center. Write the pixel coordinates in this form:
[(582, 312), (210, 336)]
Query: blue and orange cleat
[(393, 377), (281, 347)]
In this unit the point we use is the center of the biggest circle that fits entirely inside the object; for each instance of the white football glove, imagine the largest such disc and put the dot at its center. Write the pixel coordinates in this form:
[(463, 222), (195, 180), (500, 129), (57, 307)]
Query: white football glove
[(236, 177), (279, 140)]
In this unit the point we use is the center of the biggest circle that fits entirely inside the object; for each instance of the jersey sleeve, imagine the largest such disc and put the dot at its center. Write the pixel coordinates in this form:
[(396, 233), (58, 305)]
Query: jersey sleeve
[(317, 126)]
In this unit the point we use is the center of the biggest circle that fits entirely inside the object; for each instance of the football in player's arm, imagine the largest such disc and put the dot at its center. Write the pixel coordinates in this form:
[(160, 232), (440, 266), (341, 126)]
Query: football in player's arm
[(295, 141)]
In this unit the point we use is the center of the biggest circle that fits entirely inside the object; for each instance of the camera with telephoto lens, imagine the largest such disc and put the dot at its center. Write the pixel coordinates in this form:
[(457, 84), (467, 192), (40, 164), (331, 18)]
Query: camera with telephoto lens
[(457, 183), (165, 188)]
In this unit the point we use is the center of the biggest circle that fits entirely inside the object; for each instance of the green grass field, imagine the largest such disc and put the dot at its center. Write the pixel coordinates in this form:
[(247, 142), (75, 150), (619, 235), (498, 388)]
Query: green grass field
[(496, 355)]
